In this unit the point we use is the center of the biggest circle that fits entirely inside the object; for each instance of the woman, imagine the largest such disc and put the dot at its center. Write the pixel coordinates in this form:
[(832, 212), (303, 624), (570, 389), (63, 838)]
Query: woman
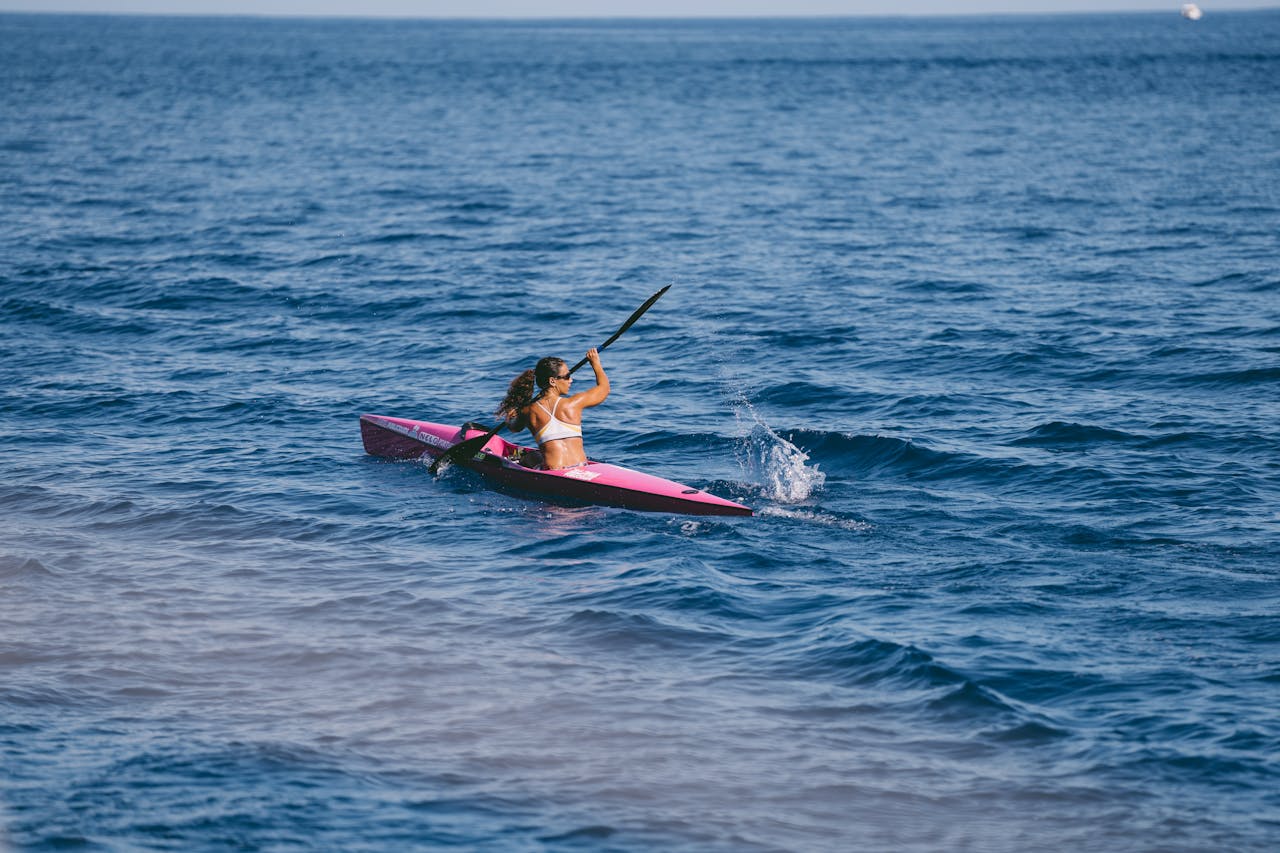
[(554, 417)]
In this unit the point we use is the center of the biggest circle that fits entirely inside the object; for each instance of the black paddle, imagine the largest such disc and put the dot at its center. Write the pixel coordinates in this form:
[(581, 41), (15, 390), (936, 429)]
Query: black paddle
[(471, 446)]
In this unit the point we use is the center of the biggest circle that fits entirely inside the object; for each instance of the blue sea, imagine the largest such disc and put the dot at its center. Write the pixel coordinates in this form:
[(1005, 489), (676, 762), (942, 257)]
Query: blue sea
[(980, 315)]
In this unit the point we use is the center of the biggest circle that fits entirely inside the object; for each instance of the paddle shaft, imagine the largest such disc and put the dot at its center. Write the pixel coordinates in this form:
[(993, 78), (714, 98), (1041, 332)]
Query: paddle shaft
[(463, 449)]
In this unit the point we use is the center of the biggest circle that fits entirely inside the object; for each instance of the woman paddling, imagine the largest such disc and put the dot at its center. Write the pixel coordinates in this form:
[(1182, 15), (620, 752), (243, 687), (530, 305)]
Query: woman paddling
[(554, 417)]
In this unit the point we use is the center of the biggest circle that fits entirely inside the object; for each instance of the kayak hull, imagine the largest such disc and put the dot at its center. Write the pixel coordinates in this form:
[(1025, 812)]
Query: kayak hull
[(500, 463)]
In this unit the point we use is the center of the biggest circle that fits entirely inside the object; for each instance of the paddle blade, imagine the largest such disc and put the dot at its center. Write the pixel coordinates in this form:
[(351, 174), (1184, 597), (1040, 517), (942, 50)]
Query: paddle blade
[(462, 450), (635, 315)]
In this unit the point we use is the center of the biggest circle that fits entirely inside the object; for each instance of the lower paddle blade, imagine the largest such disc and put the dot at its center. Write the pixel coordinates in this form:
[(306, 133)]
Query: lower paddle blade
[(463, 450)]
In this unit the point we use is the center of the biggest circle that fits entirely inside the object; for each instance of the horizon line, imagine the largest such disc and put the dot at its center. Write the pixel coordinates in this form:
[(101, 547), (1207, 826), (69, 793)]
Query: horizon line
[(399, 16)]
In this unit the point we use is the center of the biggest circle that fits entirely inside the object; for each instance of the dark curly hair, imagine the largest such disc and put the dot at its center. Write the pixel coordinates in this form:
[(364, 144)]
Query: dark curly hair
[(520, 393)]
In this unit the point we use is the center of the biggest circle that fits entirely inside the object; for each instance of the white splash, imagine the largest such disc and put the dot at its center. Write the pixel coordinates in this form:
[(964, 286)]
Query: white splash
[(774, 463), (1191, 12)]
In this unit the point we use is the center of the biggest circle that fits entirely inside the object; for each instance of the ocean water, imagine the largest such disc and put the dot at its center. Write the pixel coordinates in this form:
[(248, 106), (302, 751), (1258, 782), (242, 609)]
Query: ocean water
[(981, 315)]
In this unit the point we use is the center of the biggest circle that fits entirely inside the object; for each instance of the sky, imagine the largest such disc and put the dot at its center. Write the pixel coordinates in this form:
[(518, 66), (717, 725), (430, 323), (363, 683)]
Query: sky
[(612, 8)]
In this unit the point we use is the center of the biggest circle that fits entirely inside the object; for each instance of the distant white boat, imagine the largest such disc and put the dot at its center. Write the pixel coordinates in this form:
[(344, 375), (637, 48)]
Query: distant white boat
[(1191, 11)]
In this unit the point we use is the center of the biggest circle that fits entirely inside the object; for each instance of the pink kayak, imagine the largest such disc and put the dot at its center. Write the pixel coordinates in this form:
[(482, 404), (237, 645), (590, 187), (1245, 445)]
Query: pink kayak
[(501, 463)]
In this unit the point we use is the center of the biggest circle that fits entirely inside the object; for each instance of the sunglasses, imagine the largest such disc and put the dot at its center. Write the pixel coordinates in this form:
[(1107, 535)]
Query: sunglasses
[(566, 376)]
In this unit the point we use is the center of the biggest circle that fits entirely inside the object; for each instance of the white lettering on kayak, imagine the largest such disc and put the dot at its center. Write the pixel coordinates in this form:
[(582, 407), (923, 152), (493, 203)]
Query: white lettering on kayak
[(416, 432), (581, 474), (434, 440)]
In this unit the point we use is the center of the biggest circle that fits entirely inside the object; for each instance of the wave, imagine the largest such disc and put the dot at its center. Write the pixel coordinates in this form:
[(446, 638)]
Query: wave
[(1097, 475), (1033, 233), (588, 835), (84, 319), (1235, 378), (540, 246), (1085, 474), (48, 699), (1237, 443), (1255, 282), (1038, 360), (913, 682), (24, 146), (410, 237), (1067, 435), (824, 518), (1167, 763), (335, 259), (197, 294), (853, 455), (931, 407), (944, 287), (22, 568), (873, 663), (775, 465), (628, 633), (792, 393)]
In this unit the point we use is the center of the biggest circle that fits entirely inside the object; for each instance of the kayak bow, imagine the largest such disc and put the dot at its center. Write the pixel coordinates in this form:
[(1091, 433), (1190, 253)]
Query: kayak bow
[(499, 461)]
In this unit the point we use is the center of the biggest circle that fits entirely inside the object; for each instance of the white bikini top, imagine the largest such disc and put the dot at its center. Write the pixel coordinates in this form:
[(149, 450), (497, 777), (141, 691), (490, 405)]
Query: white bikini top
[(555, 428)]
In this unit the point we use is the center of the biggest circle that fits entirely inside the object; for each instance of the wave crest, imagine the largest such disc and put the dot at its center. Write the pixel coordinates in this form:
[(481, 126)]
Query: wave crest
[(776, 465)]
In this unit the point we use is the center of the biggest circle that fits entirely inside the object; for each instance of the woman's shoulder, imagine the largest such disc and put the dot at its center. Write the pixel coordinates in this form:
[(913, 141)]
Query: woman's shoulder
[(574, 404)]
